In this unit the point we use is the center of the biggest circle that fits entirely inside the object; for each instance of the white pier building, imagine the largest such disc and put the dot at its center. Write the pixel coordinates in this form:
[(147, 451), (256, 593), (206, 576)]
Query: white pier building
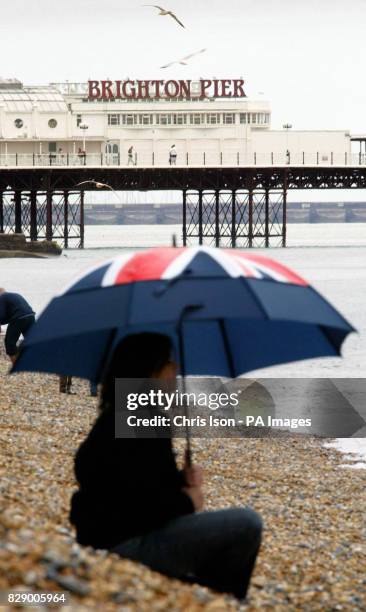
[(59, 125)]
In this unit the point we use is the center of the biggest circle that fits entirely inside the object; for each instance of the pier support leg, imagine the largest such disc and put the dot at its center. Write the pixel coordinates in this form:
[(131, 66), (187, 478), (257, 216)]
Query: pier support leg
[(184, 217), (245, 218), (18, 211), (250, 218), (82, 227), (284, 213), (266, 218), (66, 219), (233, 219), (200, 218), (217, 218), (33, 216), (49, 215), (1, 212)]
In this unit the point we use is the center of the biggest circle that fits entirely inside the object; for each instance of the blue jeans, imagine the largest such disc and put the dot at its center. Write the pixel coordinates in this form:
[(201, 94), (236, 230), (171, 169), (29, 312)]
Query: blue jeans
[(215, 549)]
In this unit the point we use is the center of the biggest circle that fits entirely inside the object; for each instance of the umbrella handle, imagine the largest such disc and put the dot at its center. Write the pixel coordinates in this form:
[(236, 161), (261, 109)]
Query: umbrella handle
[(185, 312)]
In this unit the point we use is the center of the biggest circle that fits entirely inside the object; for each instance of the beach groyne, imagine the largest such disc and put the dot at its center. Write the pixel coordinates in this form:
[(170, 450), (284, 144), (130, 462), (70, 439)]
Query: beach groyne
[(16, 245)]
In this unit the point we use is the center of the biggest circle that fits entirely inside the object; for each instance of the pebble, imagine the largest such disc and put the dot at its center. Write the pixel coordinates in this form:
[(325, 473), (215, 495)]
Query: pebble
[(70, 583)]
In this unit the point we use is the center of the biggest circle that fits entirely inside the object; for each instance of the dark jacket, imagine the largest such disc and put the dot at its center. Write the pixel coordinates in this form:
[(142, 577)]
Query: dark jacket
[(127, 487), (13, 306)]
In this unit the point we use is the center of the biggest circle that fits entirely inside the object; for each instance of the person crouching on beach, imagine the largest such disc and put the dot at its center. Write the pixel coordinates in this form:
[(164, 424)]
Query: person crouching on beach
[(18, 315), (133, 500)]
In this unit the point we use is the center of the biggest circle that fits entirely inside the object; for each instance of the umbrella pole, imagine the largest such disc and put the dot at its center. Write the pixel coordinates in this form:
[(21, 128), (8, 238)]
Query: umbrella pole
[(186, 311), (188, 451)]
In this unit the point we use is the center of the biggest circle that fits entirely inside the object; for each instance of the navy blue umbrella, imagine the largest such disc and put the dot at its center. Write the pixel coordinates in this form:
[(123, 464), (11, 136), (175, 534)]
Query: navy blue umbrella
[(227, 312)]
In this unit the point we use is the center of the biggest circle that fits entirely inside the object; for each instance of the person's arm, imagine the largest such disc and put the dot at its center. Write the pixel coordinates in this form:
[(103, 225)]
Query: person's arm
[(153, 483), (2, 307), (165, 504)]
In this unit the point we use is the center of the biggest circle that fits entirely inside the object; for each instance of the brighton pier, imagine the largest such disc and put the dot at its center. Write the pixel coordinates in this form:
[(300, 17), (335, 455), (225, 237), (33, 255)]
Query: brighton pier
[(233, 170), (157, 89)]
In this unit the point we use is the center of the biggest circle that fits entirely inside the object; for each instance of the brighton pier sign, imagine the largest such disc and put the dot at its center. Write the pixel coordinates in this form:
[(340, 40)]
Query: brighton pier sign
[(154, 90)]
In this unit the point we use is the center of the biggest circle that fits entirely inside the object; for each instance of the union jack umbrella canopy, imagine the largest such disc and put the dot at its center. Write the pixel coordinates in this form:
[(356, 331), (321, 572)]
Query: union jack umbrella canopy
[(232, 311)]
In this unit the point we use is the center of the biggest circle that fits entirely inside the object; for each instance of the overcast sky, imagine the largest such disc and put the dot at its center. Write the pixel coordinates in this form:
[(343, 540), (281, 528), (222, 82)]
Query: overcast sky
[(306, 56)]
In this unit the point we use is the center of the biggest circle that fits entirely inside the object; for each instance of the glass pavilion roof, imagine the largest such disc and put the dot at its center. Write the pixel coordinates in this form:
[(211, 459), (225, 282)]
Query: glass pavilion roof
[(43, 99)]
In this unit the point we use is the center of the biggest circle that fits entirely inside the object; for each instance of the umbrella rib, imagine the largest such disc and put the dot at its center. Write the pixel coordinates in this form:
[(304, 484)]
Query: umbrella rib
[(227, 348), (114, 334), (255, 297), (105, 361), (326, 333), (128, 310)]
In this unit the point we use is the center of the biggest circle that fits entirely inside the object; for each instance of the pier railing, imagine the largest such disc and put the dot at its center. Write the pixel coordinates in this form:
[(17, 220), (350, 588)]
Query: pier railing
[(194, 159)]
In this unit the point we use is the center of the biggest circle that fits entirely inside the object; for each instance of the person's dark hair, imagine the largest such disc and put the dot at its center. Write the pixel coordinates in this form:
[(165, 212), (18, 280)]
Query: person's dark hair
[(136, 356)]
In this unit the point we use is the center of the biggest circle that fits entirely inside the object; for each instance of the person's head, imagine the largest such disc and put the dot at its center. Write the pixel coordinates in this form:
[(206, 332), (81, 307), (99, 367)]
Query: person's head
[(144, 355), (2, 290)]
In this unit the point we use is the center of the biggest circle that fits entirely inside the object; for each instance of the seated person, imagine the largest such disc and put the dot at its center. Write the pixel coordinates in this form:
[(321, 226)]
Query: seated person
[(133, 500)]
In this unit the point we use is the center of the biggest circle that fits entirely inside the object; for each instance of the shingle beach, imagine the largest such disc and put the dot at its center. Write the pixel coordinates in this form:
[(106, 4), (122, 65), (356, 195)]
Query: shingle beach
[(313, 555)]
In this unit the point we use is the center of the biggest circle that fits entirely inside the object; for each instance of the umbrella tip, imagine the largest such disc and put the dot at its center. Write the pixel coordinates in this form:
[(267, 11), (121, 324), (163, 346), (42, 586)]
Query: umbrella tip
[(174, 241)]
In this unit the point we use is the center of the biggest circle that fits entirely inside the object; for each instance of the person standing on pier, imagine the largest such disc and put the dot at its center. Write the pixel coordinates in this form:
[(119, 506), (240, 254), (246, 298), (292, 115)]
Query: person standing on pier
[(131, 161), (173, 155), (18, 315)]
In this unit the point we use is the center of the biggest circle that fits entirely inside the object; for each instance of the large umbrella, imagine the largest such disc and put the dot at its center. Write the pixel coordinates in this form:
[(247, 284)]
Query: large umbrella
[(227, 312)]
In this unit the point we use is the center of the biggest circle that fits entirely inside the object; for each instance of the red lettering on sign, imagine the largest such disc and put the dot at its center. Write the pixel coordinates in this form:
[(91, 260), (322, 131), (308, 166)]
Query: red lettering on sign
[(205, 84), (118, 89), (107, 90), (185, 89), (225, 83), (94, 90), (238, 89), (216, 88), (157, 87), (143, 90), (131, 93), (171, 89)]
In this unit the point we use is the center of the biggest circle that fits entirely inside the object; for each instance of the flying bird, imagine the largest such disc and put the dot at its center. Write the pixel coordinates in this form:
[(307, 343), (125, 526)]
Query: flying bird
[(183, 61), (96, 183), (100, 186), (165, 13)]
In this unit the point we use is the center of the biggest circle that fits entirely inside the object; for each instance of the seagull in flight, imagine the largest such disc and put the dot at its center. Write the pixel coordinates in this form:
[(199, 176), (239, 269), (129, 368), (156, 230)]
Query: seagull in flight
[(96, 183), (165, 13), (100, 186), (183, 61)]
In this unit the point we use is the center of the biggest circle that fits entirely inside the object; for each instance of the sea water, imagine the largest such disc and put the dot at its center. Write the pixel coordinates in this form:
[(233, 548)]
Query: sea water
[(331, 257)]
